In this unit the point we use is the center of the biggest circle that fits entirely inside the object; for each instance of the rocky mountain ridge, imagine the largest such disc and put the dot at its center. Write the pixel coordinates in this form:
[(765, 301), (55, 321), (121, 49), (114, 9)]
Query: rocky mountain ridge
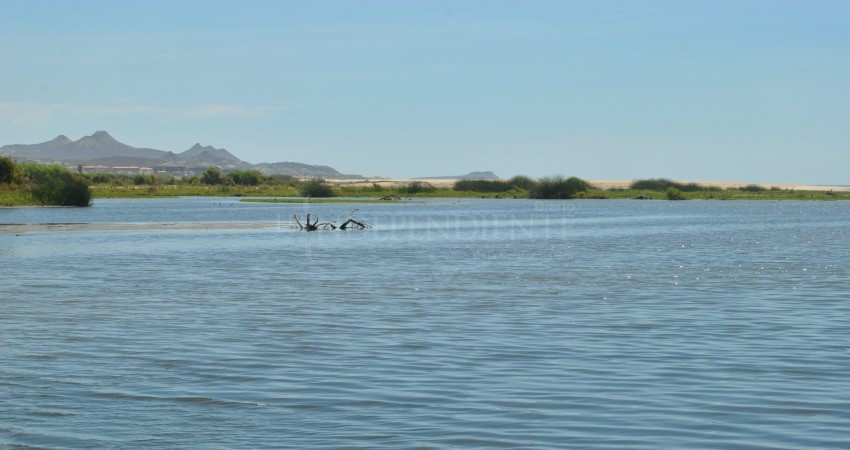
[(102, 152), (101, 149)]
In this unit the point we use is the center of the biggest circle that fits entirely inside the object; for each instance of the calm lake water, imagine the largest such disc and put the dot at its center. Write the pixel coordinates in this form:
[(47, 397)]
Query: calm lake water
[(455, 324)]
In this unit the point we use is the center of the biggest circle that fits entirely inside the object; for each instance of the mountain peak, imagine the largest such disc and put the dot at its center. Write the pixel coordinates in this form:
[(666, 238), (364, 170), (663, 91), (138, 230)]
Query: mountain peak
[(208, 154), (99, 139), (197, 148), (102, 148), (60, 140), (102, 136)]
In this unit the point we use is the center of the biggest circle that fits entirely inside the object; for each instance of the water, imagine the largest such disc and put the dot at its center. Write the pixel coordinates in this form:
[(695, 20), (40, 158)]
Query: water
[(470, 324)]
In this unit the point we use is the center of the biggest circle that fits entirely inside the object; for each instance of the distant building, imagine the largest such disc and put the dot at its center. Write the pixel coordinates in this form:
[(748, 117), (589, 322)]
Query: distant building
[(131, 170), (124, 170), (96, 169)]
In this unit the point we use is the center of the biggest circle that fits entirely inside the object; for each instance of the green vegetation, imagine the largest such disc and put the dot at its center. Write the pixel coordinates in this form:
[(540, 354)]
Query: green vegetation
[(522, 182), (520, 186), (36, 184), (662, 184), (753, 188), (31, 184), (673, 194), (212, 182), (211, 176), (7, 170), (277, 186), (245, 178), (316, 187), (418, 187), (483, 186), (660, 188), (558, 188)]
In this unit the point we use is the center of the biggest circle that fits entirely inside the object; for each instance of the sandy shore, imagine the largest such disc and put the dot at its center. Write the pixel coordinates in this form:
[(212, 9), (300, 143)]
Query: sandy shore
[(393, 182), (618, 184), (602, 184)]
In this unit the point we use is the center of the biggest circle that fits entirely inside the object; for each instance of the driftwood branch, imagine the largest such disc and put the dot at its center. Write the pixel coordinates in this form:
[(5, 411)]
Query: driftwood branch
[(351, 221), (314, 225)]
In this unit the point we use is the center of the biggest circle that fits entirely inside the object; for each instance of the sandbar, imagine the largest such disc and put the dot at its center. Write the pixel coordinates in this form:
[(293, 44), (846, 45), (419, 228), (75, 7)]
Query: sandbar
[(20, 228)]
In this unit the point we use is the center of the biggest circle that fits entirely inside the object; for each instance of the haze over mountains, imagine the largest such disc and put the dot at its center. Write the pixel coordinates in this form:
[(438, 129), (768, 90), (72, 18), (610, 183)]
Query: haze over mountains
[(101, 149)]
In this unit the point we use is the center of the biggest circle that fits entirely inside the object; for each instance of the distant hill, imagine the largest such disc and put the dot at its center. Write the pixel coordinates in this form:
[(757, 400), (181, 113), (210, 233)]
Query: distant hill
[(197, 152), (301, 170), (98, 145), (101, 149)]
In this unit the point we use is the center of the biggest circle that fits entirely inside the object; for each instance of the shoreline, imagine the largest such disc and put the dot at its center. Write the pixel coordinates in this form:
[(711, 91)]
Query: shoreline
[(603, 184)]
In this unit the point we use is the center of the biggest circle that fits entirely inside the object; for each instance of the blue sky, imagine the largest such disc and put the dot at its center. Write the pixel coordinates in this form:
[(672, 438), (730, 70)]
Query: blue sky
[(754, 91)]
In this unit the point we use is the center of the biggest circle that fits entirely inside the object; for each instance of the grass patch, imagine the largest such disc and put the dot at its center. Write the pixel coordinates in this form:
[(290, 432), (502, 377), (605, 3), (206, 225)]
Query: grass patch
[(483, 186), (15, 197)]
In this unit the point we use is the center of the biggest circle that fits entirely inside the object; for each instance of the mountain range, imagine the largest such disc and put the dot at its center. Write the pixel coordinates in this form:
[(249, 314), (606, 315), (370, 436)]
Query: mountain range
[(103, 152), (101, 149)]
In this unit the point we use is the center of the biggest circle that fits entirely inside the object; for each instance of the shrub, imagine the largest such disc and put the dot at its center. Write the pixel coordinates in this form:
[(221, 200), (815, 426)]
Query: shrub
[(652, 184), (7, 169), (673, 194), (417, 187), (753, 188), (316, 187), (245, 177), (662, 184), (211, 176), (558, 188), (482, 185), (141, 179), (522, 182), (102, 178), (55, 185)]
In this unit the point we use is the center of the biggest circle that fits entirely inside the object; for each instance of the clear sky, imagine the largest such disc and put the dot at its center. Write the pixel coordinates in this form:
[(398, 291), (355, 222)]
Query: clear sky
[(754, 91)]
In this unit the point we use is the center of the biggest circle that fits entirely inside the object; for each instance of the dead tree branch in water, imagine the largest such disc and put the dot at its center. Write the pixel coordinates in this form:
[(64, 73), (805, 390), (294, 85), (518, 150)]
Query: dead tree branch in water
[(351, 221), (316, 226)]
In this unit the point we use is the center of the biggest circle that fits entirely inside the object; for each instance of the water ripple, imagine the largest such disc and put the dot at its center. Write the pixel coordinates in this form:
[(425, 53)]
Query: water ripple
[(609, 325)]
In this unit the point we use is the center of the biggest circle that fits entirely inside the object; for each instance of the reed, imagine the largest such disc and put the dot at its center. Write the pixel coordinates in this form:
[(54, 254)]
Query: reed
[(558, 187)]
